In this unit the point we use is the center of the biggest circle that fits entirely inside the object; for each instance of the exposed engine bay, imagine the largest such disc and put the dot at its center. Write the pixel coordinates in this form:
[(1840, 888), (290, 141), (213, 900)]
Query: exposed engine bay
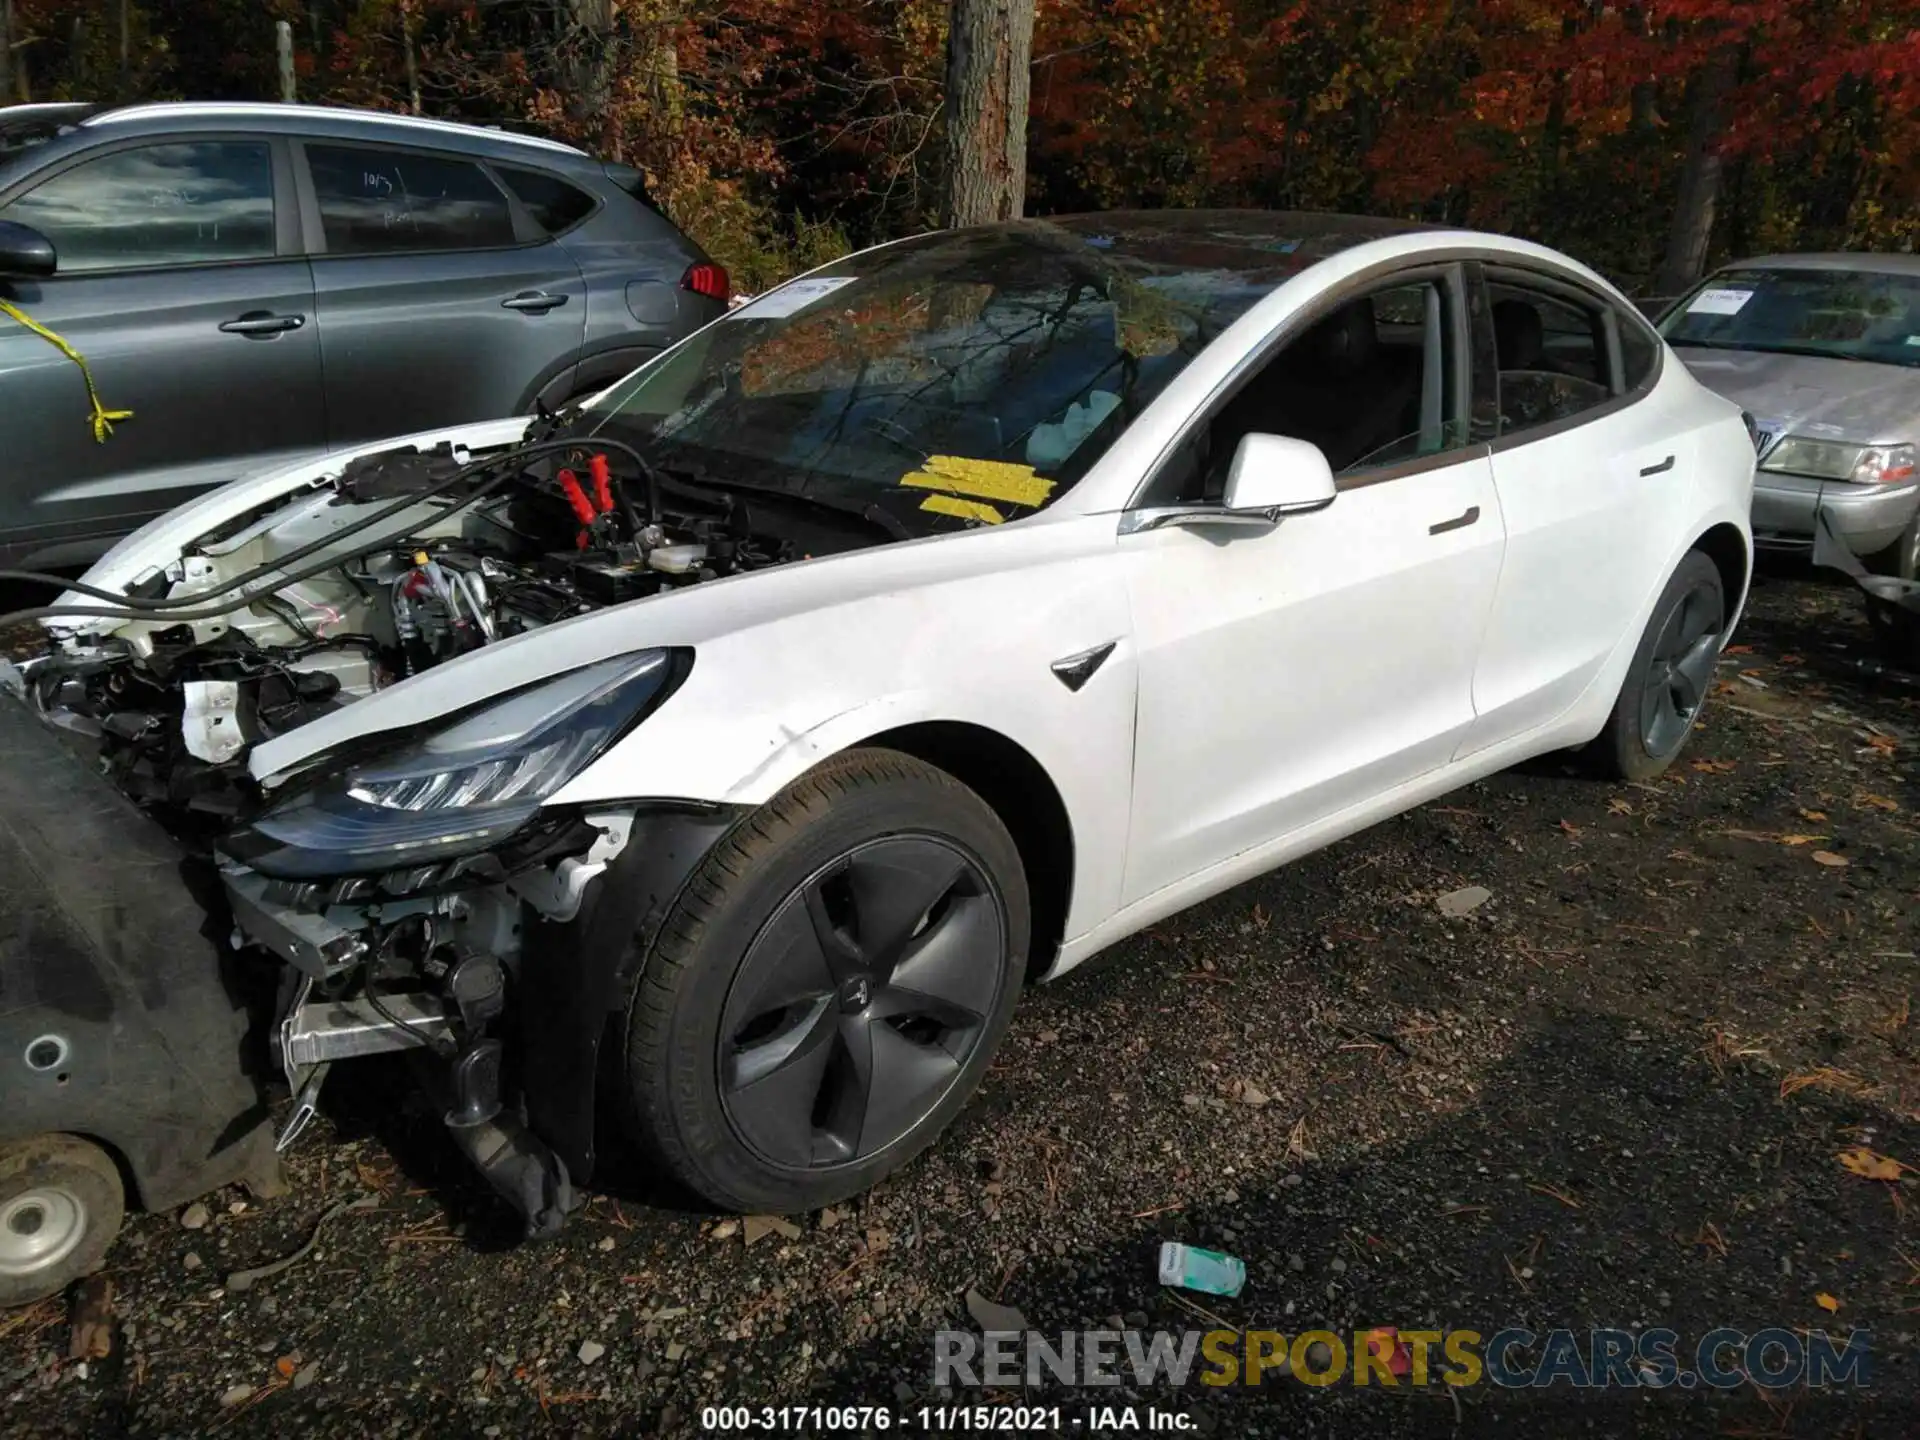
[(395, 563), (474, 549)]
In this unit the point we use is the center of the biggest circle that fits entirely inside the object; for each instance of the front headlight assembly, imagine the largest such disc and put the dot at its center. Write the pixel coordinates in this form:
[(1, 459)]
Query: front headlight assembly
[(1841, 460), (463, 789)]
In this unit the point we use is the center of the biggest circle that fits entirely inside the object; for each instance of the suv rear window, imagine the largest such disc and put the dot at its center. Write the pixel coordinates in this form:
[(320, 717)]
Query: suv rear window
[(375, 201), (554, 204)]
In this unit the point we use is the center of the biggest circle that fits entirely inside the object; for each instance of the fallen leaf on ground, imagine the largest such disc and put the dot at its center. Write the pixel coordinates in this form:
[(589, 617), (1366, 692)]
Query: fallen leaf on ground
[(1817, 816), (1569, 827), (1738, 650), (1800, 839), (1713, 767), (1827, 1303), (1618, 806), (1879, 802), (1869, 1164), (91, 1335), (1827, 857), (287, 1364)]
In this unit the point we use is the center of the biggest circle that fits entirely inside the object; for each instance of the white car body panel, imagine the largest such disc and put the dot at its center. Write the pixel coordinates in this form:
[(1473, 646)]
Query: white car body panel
[(1269, 691)]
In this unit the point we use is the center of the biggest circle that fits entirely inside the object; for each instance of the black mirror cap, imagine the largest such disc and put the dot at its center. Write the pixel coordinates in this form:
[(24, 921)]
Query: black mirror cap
[(25, 254)]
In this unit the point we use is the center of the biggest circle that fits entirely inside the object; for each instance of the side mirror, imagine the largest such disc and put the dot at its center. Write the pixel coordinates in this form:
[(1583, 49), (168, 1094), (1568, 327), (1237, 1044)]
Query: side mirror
[(25, 254), (1272, 476)]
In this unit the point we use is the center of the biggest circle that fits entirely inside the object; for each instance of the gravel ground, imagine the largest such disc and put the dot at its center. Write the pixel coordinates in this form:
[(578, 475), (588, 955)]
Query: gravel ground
[(1614, 1094)]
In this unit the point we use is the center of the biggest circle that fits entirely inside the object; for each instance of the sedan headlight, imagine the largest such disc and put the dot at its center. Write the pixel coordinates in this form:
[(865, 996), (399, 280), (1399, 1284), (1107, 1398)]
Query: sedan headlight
[(458, 790), (1841, 460)]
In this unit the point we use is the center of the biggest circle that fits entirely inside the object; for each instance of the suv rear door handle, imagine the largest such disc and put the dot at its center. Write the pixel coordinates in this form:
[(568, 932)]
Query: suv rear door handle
[(536, 301), (262, 322)]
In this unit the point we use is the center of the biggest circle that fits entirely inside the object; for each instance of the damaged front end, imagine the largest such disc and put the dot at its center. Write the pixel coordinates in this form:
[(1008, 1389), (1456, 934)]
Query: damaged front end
[(416, 879)]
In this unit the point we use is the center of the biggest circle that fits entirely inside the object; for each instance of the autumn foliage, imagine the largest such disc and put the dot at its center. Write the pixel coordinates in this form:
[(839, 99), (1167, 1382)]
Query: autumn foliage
[(781, 130)]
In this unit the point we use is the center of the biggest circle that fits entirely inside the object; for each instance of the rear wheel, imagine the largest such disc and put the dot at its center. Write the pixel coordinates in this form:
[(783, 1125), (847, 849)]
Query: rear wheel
[(61, 1204), (830, 987), (1671, 675)]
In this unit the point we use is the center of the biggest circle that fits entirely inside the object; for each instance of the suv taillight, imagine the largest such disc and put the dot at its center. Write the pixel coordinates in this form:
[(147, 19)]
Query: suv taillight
[(709, 280)]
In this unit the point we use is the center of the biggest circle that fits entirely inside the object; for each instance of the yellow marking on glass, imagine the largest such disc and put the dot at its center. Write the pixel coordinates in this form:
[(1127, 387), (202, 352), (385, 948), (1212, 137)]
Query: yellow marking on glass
[(965, 509), (982, 480)]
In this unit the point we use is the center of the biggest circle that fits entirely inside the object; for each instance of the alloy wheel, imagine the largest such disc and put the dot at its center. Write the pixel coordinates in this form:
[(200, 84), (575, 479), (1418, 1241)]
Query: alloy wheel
[(1680, 670), (858, 1004)]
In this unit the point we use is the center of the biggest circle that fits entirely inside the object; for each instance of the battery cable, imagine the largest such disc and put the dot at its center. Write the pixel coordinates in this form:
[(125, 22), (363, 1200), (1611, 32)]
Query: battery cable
[(102, 418)]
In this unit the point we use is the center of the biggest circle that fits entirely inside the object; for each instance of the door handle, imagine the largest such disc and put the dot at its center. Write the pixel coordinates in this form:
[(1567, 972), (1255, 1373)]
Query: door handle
[(1459, 522), (259, 322), (537, 302), (1660, 469)]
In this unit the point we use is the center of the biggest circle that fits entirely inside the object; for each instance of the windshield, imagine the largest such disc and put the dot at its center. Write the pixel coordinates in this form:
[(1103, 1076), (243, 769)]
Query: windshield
[(1849, 315), (961, 378)]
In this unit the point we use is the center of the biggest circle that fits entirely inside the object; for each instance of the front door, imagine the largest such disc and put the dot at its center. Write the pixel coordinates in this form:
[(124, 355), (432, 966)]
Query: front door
[(439, 304), (191, 308), (1290, 674)]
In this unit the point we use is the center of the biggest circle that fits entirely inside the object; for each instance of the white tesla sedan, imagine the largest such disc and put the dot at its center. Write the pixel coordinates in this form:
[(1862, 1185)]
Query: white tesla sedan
[(753, 735)]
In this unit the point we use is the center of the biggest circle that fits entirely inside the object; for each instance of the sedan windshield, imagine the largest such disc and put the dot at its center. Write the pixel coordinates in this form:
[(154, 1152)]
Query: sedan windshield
[(1848, 315), (961, 378)]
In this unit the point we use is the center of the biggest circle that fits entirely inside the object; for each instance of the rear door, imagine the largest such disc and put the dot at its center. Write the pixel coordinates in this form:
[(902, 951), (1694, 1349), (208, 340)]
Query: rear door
[(181, 284), (440, 300), (1586, 467)]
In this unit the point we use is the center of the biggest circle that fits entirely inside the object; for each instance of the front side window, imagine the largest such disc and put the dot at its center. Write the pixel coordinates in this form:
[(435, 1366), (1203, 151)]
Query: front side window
[(1372, 385), (975, 375), (1552, 355), (200, 203), (1845, 315), (376, 202)]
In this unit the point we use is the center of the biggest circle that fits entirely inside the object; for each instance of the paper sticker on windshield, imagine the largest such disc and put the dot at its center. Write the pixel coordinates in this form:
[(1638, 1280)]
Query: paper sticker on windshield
[(791, 298), (981, 480), (1719, 302)]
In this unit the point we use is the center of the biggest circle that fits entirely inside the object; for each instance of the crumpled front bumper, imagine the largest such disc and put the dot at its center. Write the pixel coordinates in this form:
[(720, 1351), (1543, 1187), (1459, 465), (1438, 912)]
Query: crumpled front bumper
[(121, 1015), (1867, 517)]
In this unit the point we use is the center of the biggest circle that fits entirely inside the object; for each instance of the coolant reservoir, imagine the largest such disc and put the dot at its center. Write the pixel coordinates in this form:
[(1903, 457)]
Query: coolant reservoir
[(676, 559)]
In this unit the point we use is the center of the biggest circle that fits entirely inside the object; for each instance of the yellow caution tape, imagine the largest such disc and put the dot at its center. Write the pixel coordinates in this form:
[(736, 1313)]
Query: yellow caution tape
[(981, 480), (102, 418), (965, 509)]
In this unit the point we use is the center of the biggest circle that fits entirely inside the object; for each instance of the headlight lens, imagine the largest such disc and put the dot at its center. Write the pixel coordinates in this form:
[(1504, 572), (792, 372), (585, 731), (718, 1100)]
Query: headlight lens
[(1841, 460), (460, 789)]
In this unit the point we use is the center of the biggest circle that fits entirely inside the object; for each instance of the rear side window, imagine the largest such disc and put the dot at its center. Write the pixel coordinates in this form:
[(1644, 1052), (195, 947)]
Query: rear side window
[(376, 202), (198, 204), (1552, 357), (554, 204)]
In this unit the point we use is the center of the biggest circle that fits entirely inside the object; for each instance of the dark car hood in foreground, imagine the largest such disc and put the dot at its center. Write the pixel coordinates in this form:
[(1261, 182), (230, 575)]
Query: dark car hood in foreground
[(1813, 395)]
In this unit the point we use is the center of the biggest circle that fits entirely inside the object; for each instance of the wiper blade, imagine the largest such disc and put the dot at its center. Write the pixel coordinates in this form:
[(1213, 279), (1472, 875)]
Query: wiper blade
[(682, 475)]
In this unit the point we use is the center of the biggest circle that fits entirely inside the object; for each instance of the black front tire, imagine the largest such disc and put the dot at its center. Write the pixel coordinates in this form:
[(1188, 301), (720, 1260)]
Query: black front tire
[(1670, 678), (833, 864)]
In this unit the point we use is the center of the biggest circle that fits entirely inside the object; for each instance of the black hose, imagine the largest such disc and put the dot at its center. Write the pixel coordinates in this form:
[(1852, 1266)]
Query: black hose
[(281, 579), (174, 609)]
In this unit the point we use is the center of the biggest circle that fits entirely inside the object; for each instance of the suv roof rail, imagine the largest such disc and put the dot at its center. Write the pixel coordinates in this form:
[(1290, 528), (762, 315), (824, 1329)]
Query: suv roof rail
[(244, 109)]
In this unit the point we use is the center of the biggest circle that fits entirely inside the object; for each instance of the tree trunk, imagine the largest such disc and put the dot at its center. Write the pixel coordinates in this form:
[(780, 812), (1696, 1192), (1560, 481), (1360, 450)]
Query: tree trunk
[(593, 51), (125, 16), (7, 90), (1699, 196), (407, 56), (989, 59)]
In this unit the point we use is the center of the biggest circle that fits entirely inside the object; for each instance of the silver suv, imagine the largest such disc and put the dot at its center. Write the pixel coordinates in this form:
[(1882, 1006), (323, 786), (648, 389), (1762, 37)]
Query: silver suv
[(256, 282)]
